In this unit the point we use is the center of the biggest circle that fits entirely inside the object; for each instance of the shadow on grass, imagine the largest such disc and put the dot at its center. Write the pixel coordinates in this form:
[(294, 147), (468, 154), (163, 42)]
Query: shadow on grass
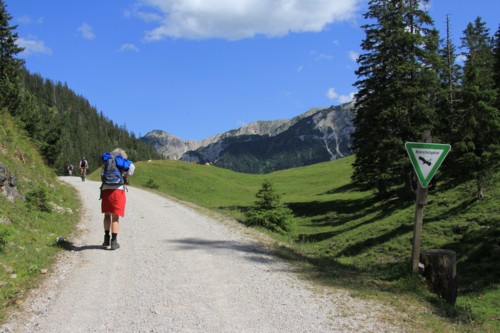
[(340, 206), (368, 243), (458, 209), (478, 251), (326, 269), (242, 209), (351, 187), (343, 213)]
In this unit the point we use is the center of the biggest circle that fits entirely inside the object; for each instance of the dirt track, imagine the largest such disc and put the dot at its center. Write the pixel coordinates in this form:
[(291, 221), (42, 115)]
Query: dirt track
[(179, 271)]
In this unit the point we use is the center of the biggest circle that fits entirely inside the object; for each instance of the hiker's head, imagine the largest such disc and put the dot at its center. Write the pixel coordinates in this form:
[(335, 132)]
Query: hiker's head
[(121, 151)]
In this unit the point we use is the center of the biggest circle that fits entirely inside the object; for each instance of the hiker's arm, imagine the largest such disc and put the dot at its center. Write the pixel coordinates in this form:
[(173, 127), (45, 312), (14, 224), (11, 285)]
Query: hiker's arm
[(129, 172)]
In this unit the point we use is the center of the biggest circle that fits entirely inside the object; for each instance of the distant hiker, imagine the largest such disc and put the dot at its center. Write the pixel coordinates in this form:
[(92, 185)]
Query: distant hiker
[(69, 168), (83, 166), (115, 172)]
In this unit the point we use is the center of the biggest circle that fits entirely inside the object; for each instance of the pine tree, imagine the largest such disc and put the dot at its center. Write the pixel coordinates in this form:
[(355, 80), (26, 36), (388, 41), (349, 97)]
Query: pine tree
[(476, 153), (269, 212), (10, 66), (496, 66), (450, 77), (397, 86)]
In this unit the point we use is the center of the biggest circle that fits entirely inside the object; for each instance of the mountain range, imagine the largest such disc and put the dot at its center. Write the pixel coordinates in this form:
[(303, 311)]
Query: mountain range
[(318, 135)]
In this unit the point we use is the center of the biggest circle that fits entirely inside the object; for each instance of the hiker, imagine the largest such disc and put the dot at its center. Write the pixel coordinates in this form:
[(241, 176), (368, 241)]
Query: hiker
[(115, 173), (83, 166), (70, 169)]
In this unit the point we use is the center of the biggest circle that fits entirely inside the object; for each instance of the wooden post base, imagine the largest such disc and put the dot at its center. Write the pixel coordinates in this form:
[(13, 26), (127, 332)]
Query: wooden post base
[(440, 271)]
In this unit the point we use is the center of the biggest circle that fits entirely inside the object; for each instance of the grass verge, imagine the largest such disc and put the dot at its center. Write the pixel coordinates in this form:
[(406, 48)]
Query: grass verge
[(43, 210)]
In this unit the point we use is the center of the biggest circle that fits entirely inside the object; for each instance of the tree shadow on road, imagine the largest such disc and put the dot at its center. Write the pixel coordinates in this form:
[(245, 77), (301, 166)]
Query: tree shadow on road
[(255, 252)]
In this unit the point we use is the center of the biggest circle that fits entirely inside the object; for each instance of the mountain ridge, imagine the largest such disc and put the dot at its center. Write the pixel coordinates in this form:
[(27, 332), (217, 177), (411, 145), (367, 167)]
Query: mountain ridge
[(317, 135)]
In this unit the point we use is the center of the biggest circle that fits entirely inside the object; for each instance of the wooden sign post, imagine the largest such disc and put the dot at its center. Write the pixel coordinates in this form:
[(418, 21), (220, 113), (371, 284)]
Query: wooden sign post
[(417, 226), (426, 158), (419, 215)]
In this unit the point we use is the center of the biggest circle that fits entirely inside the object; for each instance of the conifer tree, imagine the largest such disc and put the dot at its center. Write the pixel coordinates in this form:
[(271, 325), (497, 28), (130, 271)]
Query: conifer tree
[(10, 66), (496, 66), (450, 76), (476, 153), (269, 212), (397, 86)]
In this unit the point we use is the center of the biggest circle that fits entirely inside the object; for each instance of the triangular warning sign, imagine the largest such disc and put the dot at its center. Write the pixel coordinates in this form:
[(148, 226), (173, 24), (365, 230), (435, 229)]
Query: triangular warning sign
[(426, 158)]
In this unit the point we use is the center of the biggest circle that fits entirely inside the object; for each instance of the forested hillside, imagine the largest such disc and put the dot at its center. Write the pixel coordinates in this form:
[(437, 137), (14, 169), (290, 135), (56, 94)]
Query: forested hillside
[(66, 127), (63, 125)]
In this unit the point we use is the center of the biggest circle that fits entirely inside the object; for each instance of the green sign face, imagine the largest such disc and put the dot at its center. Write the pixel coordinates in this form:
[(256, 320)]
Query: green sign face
[(426, 158)]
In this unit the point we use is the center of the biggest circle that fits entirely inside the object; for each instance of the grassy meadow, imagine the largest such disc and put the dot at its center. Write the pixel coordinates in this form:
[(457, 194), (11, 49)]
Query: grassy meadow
[(29, 225), (347, 237)]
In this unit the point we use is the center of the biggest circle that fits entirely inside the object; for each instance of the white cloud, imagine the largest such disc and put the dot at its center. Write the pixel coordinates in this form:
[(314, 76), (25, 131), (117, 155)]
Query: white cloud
[(320, 56), (32, 46), (346, 98), (233, 20), (354, 56), (128, 47), (331, 93), (461, 58), (86, 31)]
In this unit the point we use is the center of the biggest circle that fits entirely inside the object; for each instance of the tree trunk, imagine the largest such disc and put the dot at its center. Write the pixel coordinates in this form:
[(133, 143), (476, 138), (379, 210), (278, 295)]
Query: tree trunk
[(441, 273)]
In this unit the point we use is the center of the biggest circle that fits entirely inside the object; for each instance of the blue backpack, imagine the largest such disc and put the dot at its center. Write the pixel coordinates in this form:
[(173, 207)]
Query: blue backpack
[(114, 166)]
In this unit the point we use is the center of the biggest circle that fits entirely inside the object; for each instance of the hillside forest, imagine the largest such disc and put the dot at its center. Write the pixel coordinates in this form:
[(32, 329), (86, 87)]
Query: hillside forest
[(63, 125)]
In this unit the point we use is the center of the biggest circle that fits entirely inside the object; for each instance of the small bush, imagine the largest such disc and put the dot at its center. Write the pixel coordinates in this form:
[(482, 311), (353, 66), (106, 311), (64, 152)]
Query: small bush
[(269, 212), (5, 235), (38, 198)]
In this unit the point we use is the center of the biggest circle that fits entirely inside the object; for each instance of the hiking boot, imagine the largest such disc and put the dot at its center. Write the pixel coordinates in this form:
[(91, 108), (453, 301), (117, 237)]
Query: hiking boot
[(114, 245), (106, 241)]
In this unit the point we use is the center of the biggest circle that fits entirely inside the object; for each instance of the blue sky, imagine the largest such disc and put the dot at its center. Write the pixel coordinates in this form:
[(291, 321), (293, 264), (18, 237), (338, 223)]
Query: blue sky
[(196, 68)]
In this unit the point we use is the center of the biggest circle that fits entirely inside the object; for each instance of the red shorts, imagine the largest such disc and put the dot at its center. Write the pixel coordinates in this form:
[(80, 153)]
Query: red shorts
[(113, 201)]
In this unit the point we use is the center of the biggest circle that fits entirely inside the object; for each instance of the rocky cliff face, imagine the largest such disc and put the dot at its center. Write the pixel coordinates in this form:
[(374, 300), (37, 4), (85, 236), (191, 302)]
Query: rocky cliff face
[(170, 146), (264, 146)]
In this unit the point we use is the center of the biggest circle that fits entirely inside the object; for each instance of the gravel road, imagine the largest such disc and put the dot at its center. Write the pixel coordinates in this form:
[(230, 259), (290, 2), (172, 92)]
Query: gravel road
[(180, 271)]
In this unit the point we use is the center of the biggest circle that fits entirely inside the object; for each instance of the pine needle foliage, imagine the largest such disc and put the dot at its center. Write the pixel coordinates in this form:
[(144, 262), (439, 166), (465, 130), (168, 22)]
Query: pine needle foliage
[(269, 212)]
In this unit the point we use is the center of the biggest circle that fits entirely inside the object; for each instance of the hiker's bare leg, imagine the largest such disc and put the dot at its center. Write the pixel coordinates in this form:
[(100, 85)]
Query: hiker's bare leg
[(115, 225), (107, 221)]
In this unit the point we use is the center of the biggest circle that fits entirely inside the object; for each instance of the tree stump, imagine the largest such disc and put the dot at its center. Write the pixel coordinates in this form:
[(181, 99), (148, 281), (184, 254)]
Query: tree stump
[(440, 271)]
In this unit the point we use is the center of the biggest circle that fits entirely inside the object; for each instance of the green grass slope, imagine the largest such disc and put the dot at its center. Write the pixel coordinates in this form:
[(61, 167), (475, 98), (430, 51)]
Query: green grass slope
[(347, 237), (29, 228)]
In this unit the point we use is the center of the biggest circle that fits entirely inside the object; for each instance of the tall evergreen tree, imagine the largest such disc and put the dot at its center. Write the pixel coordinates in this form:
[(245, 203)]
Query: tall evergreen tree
[(450, 76), (10, 66), (496, 66), (397, 86), (477, 151)]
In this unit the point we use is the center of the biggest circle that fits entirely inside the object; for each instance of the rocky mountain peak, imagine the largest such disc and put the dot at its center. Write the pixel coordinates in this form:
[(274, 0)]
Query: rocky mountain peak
[(325, 133)]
